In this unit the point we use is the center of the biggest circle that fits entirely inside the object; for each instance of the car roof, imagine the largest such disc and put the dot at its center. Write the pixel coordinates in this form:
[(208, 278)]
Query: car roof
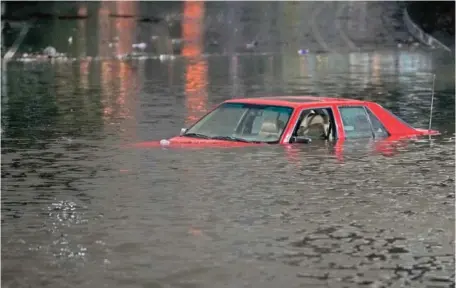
[(295, 101)]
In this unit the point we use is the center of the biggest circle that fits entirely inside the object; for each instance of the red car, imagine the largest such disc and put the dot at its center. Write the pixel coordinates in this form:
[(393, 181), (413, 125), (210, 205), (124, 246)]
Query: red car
[(291, 119)]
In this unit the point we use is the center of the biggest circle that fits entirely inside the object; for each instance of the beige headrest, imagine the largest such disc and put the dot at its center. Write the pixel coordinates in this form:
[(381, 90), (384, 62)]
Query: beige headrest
[(314, 124), (269, 126), (313, 118)]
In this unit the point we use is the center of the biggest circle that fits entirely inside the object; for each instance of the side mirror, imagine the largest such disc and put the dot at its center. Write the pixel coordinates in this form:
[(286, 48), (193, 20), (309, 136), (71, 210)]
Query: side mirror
[(183, 130), (300, 139)]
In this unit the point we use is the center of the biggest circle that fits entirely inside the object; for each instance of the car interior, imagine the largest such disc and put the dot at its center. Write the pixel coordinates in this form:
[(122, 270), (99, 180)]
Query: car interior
[(316, 124), (266, 125), (271, 127)]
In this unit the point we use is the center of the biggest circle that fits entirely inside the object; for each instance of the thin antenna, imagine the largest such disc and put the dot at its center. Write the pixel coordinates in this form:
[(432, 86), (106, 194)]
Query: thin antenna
[(432, 102)]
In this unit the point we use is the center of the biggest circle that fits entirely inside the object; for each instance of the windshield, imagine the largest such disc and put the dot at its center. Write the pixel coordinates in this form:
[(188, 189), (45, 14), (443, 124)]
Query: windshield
[(243, 122)]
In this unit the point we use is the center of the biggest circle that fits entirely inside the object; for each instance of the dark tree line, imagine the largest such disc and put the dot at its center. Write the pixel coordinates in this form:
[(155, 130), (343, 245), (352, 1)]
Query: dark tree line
[(433, 16)]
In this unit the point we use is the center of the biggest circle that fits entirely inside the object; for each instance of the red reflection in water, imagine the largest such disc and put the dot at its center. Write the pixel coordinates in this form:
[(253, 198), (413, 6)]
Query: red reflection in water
[(84, 74), (195, 89), (82, 10), (106, 66), (125, 27), (106, 84), (128, 79), (196, 72), (103, 29), (82, 36), (118, 79), (375, 69), (110, 28)]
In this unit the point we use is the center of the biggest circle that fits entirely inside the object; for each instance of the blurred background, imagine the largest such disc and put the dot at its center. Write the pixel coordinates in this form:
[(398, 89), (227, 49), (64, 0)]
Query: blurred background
[(79, 211)]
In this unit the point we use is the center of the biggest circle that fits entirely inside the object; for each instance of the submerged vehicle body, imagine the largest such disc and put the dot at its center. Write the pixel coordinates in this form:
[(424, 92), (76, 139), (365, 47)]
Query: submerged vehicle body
[(289, 120)]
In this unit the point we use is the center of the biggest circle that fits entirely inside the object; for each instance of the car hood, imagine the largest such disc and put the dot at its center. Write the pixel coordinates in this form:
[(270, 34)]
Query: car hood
[(191, 142)]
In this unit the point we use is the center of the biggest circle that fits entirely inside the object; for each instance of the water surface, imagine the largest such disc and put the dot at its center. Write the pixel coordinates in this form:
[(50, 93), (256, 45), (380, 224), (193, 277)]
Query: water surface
[(78, 210)]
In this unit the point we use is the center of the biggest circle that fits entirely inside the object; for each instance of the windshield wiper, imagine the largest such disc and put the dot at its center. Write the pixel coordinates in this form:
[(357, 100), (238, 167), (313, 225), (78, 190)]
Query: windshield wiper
[(230, 138), (197, 135)]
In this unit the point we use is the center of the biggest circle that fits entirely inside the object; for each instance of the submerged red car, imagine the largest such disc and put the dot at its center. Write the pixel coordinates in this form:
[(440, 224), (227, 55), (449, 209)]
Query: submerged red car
[(291, 119)]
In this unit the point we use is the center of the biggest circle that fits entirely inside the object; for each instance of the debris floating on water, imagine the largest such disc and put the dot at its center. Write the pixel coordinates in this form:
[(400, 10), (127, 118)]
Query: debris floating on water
[(176, 41), (251, 45), (50, 51), (140, 45), (164, 57), (164, 142), (50, 54)]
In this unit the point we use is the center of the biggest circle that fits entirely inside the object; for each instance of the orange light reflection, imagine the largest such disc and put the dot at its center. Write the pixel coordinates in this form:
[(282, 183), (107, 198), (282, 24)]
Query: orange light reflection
[(376, 69), (103, 28), (84, 65), (84, 74), (118, 79), (106, 84), (125, 27), (82, 11), (196, 71)]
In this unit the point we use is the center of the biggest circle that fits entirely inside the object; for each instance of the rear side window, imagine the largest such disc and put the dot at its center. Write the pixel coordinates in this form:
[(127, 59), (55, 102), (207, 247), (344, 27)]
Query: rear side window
[(379, 129), (355, 122)]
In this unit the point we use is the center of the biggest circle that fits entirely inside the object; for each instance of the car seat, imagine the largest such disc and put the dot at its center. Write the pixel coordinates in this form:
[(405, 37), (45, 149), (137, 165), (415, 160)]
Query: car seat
[(315, 126), (269, 128)]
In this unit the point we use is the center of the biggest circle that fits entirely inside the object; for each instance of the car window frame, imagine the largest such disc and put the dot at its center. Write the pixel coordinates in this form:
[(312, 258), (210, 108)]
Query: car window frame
[(300, 118), (367, 110)]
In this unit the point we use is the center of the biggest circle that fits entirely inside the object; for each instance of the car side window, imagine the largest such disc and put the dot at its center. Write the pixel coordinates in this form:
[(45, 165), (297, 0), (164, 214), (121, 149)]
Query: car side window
[(355, 122), (379, 129)]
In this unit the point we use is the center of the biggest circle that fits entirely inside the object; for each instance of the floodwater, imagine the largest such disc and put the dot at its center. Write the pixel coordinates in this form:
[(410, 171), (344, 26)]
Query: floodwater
[(78, 210)]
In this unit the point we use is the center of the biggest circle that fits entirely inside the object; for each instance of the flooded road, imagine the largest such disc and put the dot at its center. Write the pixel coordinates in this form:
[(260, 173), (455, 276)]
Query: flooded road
[(78, 210)]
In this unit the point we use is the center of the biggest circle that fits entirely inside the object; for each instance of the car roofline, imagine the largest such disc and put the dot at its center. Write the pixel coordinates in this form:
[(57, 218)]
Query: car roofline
[(296, 101)]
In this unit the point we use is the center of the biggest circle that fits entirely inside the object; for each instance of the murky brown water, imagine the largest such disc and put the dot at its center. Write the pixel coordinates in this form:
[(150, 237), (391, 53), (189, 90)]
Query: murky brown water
[(79, 211)]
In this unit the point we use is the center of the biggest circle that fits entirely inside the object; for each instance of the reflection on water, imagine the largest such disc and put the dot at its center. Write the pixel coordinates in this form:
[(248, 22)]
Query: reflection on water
[(78, 211), (81, 39), (125, 28), (196, 71), (104, 29)]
